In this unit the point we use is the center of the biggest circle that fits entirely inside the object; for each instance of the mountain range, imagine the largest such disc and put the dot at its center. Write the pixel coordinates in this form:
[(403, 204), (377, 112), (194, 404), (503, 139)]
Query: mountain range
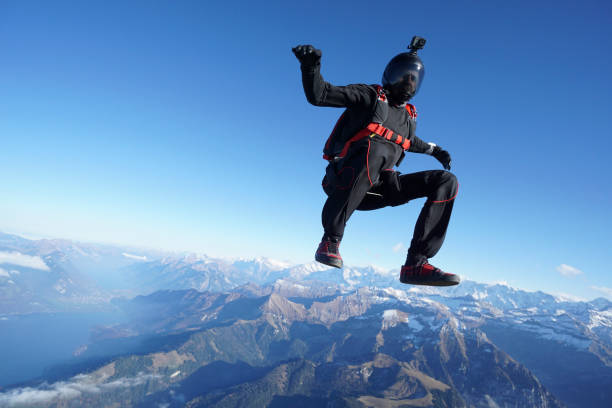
[(203, 332)]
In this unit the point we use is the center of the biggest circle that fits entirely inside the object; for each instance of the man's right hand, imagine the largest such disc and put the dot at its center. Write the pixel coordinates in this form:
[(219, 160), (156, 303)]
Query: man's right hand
[(307, 54)]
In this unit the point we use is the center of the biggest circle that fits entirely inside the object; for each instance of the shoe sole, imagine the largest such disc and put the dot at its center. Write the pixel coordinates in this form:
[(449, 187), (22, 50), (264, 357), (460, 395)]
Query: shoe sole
[(329, 261)]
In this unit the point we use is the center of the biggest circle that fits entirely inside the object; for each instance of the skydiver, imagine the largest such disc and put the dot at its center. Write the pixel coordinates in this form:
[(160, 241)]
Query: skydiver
[(368, 141)]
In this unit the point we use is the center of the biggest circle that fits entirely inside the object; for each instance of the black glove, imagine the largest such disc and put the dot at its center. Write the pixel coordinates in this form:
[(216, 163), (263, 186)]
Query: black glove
[(307, 54), (442, 156)]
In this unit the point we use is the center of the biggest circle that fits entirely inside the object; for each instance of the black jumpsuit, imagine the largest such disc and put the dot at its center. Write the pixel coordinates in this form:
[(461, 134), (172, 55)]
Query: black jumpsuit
[(365, 180)]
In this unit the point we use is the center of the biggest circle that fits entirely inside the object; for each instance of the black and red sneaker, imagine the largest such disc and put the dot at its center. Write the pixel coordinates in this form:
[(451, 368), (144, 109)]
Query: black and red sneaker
[(328, 253), (427, 274)]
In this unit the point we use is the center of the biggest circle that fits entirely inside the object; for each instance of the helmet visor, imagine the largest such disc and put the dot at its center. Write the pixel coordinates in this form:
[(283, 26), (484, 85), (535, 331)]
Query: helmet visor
[(404, 79)]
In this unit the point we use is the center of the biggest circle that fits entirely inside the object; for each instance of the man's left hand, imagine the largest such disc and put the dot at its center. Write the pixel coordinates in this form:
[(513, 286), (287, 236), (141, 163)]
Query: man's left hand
[(442, 156)]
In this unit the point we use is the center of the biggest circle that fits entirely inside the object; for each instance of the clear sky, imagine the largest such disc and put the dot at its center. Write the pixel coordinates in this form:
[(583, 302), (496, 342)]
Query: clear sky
[(182, 125)]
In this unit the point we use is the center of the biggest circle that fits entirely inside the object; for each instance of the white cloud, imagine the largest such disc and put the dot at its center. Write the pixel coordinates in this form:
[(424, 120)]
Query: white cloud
[(4, 273), (27, 396), (567, 270), (604, 290), (16, 258), (65, 390), (398, 247), (138, 258)]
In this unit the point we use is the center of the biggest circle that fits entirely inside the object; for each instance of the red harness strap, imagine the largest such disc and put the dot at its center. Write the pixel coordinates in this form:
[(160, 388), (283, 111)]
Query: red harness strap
[(380, 130), (374, 128)]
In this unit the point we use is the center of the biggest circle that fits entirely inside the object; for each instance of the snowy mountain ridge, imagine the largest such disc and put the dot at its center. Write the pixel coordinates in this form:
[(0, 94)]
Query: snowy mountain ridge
[(75, 274), (140, 271), (191, 291)]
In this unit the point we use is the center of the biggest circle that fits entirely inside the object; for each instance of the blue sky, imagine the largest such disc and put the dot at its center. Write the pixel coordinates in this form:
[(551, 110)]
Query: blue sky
[(183, 126)]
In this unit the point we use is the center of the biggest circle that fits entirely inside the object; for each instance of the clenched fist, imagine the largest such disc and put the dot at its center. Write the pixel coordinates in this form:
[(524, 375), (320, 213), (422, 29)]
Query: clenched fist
[(307, 54)]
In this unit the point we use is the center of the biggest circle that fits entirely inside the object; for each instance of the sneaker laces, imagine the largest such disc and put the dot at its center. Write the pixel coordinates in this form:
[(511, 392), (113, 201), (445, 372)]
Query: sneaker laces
[(329, 246), (332, 246)]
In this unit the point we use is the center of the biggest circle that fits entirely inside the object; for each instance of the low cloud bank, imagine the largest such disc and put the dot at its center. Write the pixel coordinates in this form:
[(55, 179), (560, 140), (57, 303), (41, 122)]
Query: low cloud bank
[(19, 259), (77, 386)]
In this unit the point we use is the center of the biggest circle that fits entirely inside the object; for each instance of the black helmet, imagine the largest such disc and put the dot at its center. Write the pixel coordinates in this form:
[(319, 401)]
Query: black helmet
[(404, 73)]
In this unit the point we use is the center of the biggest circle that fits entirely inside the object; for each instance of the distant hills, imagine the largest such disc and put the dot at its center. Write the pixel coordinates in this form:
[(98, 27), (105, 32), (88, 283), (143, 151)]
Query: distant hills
[(206, 332)]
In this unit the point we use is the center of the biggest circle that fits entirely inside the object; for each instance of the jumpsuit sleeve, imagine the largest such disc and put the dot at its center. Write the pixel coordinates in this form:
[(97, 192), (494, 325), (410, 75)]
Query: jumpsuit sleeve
[(417, 145), (321, 93)]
